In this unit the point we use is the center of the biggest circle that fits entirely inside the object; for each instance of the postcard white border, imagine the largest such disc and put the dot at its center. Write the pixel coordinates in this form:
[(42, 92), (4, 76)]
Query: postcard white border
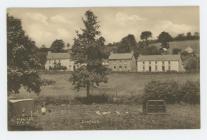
[(197, 134)]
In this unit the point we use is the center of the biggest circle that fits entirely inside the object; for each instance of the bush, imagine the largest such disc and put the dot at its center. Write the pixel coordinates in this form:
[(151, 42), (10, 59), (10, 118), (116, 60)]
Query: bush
[(172, 92), (176, 51), (190, 92), (156, 90)]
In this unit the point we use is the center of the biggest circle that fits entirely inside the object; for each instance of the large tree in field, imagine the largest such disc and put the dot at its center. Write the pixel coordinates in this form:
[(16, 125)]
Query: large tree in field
[(145, 35), (22, 61), (88, 50), (57, 46), (164, 38)]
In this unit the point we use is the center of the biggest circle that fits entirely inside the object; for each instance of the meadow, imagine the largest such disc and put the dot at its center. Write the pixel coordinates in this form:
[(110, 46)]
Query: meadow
[(112, 116), (194, 44), (119, 84), (117, 117)]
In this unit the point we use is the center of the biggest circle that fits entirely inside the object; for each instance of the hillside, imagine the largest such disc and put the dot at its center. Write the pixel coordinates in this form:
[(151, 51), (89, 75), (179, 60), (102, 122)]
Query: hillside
[(194, 44)]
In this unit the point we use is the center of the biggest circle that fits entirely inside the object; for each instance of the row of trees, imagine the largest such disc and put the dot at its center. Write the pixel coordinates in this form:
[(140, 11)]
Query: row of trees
[(165, 37)]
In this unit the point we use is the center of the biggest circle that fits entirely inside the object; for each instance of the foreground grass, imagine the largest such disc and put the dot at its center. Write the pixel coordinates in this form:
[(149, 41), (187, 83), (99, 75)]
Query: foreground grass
[(91, 117)]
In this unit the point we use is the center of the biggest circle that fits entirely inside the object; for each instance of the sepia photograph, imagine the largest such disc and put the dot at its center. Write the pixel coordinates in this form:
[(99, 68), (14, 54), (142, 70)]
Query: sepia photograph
[(103, 68)]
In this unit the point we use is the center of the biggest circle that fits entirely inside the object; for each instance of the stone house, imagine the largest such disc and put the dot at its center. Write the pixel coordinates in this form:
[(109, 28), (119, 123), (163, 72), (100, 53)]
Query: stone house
[(122, 62)]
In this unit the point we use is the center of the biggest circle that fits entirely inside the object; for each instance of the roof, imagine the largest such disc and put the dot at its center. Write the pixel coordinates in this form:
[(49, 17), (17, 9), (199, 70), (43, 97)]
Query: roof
[(119, 56), (51, 55), (158, 57)]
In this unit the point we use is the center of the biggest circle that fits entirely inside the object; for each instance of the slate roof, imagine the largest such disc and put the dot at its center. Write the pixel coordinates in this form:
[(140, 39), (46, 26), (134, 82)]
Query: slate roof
[(120, 56), (158, 57), (51, 55)]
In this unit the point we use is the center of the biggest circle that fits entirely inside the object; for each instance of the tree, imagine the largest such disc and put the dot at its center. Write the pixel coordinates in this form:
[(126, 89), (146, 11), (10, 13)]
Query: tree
[(180, 37), (68, 45), (22, 60), (57, 46), (127, 44), (192, 64), (164, 38), (88, 51), (42, 55), (176, 51), (189, 36), (151, 50), (145, 35)]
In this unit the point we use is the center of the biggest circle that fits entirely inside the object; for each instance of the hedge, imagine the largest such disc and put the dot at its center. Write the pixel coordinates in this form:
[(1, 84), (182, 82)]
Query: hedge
[(172, 92)]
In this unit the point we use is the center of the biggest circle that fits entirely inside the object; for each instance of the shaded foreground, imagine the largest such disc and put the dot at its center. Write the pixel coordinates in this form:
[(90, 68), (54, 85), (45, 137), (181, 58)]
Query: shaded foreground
[(113, 117)]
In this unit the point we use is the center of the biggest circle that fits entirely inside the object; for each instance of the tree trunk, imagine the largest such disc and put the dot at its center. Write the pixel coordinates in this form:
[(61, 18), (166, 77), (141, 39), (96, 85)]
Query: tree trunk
[(88, 90)]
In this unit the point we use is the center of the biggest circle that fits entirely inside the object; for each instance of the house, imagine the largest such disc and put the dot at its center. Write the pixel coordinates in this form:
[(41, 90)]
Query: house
[(122, 62), (189, 50), (159, 63), (59, 59)]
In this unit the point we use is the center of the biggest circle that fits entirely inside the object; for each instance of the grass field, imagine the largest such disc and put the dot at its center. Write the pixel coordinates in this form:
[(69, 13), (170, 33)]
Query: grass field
[(122, 84), (194, 44), (112, 117)]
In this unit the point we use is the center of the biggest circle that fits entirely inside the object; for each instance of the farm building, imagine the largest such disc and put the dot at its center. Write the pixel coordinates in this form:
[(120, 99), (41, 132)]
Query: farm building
[(122, 62), (159, 63), (59, 59)]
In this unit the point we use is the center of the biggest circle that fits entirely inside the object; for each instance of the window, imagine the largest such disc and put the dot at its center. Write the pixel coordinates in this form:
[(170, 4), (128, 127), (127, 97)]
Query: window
[(114, 67), (143, 68), (169, 62), (169, 68), (149, 62), (163, 62), (155, 62), (120, 67), (143, 62), (125, 67)]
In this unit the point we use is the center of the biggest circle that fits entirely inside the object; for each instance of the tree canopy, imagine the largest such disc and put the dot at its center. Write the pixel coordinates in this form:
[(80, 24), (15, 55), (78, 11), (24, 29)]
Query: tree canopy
[(88, 51), (57, 46), (22, 60), (164, 38), (144, 36)]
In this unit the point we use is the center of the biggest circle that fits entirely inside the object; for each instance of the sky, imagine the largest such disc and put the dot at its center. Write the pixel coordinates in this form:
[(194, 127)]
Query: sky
[(44, 25)]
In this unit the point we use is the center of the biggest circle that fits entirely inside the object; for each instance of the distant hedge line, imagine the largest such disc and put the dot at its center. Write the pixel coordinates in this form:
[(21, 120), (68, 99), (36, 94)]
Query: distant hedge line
[(172, 92)]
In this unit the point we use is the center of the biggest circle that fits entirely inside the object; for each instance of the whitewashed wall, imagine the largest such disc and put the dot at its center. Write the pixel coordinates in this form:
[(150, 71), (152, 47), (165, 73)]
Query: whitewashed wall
[(172, 66)]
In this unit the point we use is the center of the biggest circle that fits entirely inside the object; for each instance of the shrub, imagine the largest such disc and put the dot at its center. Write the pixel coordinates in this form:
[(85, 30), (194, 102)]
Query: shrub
[(172, 92), (176, 51), (156, 90), (190, 92)]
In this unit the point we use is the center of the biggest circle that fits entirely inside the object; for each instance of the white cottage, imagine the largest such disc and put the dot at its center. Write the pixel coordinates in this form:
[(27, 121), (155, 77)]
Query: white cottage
[(62, 59), (159, 63)]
